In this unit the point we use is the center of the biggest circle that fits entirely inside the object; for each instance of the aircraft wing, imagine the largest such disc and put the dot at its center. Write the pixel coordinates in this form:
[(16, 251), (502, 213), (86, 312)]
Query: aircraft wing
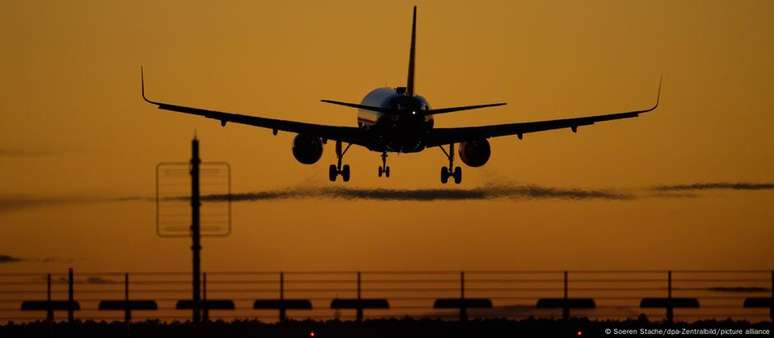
[(352, 135), (442, 136)]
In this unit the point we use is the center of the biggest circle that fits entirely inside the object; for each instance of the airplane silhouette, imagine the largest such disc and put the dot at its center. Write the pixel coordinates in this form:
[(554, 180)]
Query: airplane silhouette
[(397, 120)]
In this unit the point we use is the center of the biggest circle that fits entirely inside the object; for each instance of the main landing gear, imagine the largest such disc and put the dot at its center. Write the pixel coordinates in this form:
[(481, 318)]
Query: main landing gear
[(337, 169), (384, 169), (450, 171)]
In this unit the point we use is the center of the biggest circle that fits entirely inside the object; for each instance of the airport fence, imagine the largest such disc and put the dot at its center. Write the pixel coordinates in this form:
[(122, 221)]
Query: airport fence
[(685, 295)]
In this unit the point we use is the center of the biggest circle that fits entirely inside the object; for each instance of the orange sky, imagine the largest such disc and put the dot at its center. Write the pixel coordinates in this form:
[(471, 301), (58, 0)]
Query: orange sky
[(72, 124)]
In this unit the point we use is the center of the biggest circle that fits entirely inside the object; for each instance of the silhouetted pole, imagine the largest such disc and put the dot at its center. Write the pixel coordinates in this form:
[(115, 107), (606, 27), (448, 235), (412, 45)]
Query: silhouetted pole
[(70, 300), (196, 246), (282, 313), (50, 309), (127, 310), (463, 308), (127, 307), (565, 305), (669, 310), (359, 313)]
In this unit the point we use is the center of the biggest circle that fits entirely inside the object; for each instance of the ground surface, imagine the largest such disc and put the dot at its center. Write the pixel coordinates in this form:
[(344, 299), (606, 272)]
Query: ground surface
[(390, 328)]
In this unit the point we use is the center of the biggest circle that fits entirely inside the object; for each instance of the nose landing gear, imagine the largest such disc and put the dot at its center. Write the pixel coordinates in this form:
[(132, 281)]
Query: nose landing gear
[(384, 169), (337, 169), (451, 170)]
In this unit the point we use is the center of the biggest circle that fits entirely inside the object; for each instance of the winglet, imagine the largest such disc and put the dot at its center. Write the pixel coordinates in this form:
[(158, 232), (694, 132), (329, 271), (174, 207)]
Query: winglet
[(142, 87), (658, 96), (658, 99)]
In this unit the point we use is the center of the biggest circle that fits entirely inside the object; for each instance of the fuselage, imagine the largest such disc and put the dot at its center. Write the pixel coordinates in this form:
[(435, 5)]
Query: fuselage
[(401, 126)]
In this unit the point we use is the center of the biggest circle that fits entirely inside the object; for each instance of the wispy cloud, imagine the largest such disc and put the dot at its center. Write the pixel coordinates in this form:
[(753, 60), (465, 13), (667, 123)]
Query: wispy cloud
[(492, 191), (99, 280), (486, 192), (7, 259), (715, 186), (20, 202), (11, 203)]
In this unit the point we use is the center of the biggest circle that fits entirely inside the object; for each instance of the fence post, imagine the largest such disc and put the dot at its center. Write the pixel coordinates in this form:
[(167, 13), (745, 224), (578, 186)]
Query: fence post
[(565, 305), (204, 307), (463, 308), (70, 300), (127, 310), (669, 310), (196, 245), (50, 309), (282, 312), (359, 307)]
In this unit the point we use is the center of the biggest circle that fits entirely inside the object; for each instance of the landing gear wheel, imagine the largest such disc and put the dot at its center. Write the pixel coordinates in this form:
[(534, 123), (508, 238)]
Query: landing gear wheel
[(451, 170), (384, 169), (332, 172), (337, 169), (345, 173), (444, 175)]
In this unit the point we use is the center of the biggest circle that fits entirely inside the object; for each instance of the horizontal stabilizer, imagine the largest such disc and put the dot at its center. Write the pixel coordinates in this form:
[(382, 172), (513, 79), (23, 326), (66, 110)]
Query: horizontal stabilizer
[(355, 105), (453, 109)]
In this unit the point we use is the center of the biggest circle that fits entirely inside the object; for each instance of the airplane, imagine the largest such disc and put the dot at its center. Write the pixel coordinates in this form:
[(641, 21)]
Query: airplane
[(397, 120)]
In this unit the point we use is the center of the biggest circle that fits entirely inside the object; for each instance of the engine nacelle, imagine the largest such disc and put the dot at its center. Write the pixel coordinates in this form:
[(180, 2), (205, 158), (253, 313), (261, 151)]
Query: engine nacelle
[(307, 149), (475, 153)]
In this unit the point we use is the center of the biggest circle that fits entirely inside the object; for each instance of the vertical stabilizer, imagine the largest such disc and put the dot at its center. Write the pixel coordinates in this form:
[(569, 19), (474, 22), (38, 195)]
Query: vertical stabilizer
[(410, 82)]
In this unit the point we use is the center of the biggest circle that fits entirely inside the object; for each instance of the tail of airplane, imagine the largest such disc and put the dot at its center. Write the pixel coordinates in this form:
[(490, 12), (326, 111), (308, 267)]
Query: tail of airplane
[(412, 66), (410, 83), (412, 53)]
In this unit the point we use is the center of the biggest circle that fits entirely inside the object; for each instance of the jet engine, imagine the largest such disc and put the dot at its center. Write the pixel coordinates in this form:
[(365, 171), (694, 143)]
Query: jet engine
[(307, 149), (475, 153)]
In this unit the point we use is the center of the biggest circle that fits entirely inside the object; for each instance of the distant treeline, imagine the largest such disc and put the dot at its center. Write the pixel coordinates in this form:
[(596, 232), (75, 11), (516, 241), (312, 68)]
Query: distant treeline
[(392, 328)]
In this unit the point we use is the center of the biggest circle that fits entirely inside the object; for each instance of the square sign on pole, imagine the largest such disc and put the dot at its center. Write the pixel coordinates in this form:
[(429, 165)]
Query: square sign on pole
[(173, 199)]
